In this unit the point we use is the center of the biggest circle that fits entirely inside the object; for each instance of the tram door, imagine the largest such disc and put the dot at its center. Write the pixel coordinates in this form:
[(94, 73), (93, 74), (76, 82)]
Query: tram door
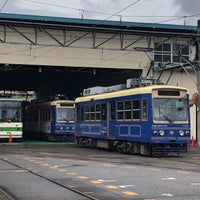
[(111, 119)]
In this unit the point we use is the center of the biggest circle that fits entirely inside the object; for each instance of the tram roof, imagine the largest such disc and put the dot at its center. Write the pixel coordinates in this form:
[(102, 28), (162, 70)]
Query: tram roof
[(16, 18), (127, 92), (13, 99), (54, 102)]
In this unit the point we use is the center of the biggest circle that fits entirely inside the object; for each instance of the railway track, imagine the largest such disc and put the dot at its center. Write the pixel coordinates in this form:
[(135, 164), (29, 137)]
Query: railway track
[(53, 170), (5, 195)]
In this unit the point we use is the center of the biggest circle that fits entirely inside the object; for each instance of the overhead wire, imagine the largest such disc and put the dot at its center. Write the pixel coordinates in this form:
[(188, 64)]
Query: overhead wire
[(176, 18), (123, 9), (67, 7), (117, 13), (3, 6)]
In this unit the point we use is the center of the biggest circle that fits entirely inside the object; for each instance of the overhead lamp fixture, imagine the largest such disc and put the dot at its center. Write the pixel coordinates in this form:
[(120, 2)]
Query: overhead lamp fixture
[(143, 49), (40, 69), (94, 72)]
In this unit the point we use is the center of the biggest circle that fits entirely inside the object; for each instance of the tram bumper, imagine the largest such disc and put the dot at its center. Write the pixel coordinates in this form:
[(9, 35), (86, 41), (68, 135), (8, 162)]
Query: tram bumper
[(165, 146)]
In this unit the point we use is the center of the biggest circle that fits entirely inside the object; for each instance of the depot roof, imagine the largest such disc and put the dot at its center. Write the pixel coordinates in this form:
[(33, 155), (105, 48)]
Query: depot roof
[(94, 23)]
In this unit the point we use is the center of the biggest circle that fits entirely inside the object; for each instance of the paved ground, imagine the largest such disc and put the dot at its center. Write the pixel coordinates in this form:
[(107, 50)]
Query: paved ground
[(99, 173)]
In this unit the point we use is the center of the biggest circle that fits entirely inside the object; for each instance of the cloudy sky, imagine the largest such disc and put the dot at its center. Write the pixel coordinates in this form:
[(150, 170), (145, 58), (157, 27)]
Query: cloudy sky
[(154, 11)]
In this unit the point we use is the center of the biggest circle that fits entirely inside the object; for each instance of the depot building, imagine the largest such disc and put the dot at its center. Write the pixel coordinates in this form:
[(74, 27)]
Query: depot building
[(54, 55)]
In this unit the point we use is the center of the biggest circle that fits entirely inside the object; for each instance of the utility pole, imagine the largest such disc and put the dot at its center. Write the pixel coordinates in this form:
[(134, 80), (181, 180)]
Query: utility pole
[(198, 109), (198, 83)]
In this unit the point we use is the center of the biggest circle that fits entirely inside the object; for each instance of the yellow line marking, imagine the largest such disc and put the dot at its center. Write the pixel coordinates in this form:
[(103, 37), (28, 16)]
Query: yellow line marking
[(129, 193), (109, 165), (183, 172), (45, 164), (130, 167), (37, 162), (82, 161), (62, 170), (71, 173), (83, 177), (66, 160), (14, 171), (156, 169), (96, 182), (32, 160), (27, 158), (112, 187), (198, 184), (35, 171), (88, 192), (53, 167)]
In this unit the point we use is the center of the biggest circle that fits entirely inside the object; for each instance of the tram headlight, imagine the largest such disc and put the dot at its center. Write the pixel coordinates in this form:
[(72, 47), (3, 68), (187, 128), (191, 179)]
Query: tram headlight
[(181, 133), (187, 132), (59, 128), (155, 133), (161, 133)]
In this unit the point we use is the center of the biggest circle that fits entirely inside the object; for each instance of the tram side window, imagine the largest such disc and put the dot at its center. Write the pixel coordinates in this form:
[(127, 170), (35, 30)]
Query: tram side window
[(98, 112), (103, 111), (80, 113), (46, 115), (87, 112), (144, 109), (120, 110), (127, 110), (136, 110), (92, 112)]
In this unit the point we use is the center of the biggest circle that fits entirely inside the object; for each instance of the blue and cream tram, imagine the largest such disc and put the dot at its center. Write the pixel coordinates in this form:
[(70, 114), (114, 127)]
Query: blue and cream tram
[(53, 120), (151, 120)]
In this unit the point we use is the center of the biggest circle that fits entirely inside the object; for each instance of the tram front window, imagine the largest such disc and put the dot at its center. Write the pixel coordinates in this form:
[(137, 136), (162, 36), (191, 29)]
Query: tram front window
[(169, 109), (65, 114), (10, 111)]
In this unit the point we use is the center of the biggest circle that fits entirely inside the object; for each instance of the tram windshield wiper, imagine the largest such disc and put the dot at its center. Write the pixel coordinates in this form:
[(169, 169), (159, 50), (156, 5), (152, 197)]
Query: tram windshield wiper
[(64, 118), (166, 117)]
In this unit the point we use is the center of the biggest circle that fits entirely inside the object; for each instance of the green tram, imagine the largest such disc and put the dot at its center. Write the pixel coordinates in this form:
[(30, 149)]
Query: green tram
[(11, 118)]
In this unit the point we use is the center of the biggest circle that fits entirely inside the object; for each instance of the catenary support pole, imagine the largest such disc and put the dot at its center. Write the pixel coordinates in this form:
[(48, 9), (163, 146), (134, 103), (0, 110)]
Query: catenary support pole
[(198, 109), (198, 83)]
